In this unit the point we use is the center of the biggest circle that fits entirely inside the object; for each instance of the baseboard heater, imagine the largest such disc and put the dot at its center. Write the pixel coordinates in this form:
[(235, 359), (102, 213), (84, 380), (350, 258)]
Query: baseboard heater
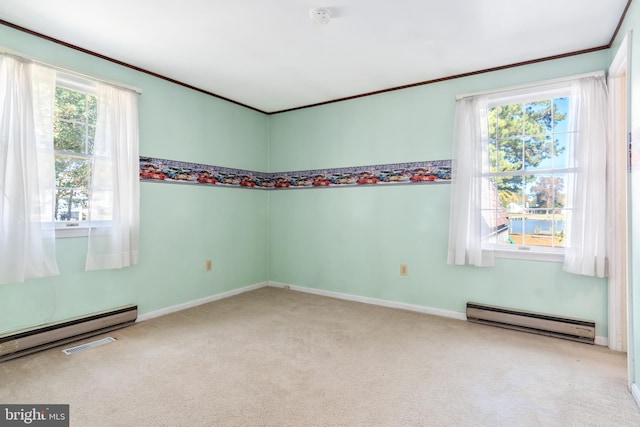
[(528, 321), (27, 341)]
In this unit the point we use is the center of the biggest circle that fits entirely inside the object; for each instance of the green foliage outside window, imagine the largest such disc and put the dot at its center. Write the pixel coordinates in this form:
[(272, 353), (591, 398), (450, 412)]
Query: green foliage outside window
[(528, 167), (74, 132), (522, 137)]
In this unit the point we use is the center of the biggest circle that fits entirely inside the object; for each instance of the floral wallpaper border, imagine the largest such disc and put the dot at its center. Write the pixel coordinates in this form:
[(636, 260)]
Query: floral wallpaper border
[(172, 171)]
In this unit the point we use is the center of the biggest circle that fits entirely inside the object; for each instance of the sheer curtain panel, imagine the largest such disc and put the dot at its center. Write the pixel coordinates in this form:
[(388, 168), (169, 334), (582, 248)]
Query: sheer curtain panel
[(27, 233), (114, 211), (466, 223), (586, 246)]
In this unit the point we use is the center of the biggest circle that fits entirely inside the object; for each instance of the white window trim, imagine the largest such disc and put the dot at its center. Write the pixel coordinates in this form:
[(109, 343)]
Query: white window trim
[(525, 252), (77, 228), (71, 229), (76, 82)]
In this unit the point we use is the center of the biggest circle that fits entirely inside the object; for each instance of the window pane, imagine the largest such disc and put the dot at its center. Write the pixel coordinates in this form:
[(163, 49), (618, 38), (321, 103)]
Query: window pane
[(561, 190), (489, 194), (69, 136), (538, 117), (540, 192), (510, 190), (91, 137), (561, 114), (492, 117), (542, 229), (510, 120), (509, 156), (538, 152), (512, 194), (500, 196), (92, 110), (515, 231), (73, 206), (70, 105), (493, 213), (72, 177), (75, 119), (547, 192), (560, 150), (493, 155), (544, 218)]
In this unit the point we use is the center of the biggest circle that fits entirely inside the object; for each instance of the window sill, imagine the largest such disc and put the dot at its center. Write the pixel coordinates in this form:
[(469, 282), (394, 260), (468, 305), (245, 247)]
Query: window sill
[(64, 232), (529, 255)]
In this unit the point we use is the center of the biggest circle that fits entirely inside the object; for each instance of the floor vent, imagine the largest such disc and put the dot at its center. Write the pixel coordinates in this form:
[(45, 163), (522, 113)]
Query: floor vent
[(87, 346), (528, 321), (28, 341)]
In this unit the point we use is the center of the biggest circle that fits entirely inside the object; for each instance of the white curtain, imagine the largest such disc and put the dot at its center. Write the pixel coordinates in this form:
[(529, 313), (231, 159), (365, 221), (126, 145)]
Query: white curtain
[(586, 239), (27, 233), (114, 210), (466, 223)]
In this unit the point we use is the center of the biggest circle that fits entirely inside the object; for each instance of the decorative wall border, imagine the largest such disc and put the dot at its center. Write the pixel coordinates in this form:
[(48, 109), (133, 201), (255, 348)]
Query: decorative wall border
[(634, 153), (176, 172)]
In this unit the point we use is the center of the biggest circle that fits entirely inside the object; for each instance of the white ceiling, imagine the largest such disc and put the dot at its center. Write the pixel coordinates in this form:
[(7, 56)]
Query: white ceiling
[(267, 54)]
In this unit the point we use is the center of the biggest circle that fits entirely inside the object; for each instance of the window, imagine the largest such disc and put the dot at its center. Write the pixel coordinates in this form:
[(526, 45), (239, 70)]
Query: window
[(526, 170), (74, 128), (529, 174), (65, 164)]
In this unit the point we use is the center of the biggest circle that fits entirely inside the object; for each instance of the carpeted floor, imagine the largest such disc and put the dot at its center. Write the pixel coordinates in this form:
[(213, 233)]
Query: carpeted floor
[(274, 357)]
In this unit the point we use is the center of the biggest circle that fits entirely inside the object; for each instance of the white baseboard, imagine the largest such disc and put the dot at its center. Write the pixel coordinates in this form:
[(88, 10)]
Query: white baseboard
[(375, 301), (599, 340), (635, 391), (194, 303), (603, 341)]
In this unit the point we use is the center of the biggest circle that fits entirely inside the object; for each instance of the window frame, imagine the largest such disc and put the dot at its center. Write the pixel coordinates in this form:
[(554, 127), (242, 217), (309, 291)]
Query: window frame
[(524, 95), (79, 228)]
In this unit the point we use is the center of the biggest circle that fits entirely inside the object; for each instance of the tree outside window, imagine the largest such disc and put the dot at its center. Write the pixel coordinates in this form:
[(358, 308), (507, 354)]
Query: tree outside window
[(74, 132), (528, 169)]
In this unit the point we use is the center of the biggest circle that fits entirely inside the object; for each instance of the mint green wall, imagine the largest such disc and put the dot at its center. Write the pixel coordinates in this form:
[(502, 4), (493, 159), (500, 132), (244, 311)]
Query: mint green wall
[(181, 226), (632, 24), (353, 240)]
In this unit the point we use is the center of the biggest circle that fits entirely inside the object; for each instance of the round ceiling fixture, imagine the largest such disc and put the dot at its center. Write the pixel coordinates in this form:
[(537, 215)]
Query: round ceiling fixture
[(320, 16)]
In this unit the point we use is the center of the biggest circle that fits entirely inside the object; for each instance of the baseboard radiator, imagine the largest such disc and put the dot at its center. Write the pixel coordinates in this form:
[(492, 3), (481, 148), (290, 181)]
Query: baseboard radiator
[(29, 341), (528, 321)]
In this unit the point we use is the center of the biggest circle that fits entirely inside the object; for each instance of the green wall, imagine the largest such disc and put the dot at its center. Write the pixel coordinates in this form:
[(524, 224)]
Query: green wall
[(353, 240), (181, 226), (632, 24)]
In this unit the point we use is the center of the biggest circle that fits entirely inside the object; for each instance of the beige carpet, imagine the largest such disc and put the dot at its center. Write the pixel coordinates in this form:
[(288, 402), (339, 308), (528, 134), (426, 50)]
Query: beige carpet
[(274, 357)]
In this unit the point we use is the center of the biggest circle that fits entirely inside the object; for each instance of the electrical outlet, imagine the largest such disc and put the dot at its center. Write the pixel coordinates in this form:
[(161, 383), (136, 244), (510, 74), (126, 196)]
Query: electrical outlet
[(404, 269), (208, 265)]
